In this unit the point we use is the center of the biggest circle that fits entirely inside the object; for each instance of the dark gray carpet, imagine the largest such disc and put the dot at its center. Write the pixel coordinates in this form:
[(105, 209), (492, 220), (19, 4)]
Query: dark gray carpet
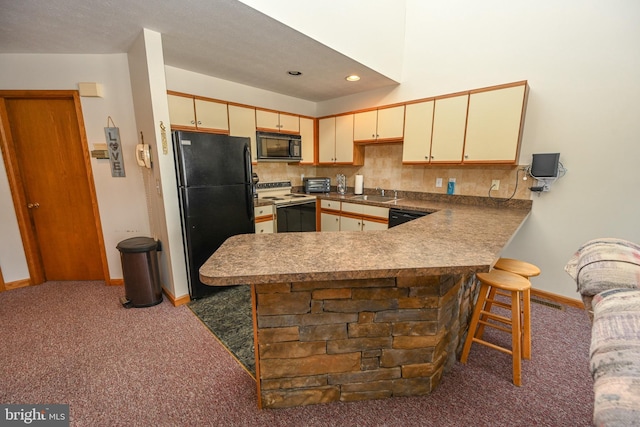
[(227, 313)]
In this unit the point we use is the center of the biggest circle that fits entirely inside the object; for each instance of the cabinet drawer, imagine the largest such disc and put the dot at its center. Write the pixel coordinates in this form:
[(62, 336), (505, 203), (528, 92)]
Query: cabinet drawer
[(355, 208), (264, 227), (330, 204), (263, 210), (376, 211)]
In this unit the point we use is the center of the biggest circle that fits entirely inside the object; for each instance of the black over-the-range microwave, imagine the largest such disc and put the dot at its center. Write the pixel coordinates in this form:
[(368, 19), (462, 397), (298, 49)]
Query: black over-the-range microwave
[(278, 147)]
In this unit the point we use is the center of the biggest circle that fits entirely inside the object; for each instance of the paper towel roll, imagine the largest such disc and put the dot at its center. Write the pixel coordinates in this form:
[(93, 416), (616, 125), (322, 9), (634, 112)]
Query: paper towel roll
[(359, 187)]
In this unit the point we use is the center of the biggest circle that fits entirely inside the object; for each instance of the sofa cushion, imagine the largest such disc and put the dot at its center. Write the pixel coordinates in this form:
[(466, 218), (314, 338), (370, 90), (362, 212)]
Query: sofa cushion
[(615, 357), (606, 263)]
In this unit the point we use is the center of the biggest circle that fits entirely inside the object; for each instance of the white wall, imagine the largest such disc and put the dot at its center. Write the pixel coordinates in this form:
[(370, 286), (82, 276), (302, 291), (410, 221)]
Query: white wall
[(371, 31), (150, 99), (582, 61), (121, 201)]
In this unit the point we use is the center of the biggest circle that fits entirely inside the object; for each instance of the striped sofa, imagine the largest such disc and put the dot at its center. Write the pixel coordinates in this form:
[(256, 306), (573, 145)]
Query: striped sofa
[(607, 273)]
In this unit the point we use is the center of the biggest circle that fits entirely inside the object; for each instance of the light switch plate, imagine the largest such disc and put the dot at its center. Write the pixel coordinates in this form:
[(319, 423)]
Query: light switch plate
[(438, 182)]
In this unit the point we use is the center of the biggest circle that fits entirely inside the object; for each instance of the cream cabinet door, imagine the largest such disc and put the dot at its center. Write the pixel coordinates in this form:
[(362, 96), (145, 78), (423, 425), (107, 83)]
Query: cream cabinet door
[(348, 223), (390, 123), (181, 111), (211, 115), (493, 125), (382, 124), (242, 122), (327, 140), (449, 122), (418, 124), (277, 122), (365, 125), (344, 139), (268, 120), (329, 222), (308, 139), (289, 123)]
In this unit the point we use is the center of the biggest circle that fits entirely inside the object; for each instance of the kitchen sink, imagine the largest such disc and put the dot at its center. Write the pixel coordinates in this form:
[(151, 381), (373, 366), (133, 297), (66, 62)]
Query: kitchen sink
[(374, 198)]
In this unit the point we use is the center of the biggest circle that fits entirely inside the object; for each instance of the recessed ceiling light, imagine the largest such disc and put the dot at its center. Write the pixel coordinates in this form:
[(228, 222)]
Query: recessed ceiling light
[(352, 78), (294, 73)]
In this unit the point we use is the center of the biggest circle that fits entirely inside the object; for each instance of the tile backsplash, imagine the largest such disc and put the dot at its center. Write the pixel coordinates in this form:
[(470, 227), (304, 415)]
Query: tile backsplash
[(383, 168)]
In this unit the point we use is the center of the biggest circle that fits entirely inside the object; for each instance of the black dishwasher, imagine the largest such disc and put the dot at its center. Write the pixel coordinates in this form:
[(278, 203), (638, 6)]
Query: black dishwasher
[(400, 216)]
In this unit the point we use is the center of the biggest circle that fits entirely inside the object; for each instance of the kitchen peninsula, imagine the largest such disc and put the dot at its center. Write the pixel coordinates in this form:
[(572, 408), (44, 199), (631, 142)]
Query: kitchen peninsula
[(365, 315)]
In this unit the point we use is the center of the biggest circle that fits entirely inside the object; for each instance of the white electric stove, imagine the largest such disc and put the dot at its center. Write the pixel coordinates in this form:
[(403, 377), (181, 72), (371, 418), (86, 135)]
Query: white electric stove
[(279, 192)]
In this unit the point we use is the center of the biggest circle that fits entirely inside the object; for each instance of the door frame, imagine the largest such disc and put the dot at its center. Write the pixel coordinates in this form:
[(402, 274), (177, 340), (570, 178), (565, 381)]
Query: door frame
[(18, 194)]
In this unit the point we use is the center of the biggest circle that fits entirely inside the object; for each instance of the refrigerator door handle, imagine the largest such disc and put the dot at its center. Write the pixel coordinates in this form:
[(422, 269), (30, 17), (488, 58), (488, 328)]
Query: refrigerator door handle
[(247, 180)]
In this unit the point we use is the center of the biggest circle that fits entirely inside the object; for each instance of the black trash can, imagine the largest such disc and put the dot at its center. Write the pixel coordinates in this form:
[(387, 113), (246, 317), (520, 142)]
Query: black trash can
[(140, 271)]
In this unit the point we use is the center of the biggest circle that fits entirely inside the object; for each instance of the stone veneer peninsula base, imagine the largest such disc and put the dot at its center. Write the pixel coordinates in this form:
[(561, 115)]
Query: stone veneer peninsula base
[(347, 340)]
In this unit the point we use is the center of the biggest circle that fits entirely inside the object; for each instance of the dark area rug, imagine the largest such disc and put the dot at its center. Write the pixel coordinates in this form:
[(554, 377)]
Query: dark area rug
[(227, 313)]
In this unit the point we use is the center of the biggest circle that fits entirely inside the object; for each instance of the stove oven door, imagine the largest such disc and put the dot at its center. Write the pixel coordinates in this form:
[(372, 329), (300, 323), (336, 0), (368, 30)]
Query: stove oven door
[(293, 218)]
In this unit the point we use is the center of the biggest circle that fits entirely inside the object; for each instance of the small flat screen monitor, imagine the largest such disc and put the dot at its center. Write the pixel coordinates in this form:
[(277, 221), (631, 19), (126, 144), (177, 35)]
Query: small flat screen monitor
[(545, 165)]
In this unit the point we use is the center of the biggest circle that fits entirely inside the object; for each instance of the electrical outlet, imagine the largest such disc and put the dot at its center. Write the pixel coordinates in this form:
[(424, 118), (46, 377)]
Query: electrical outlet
[(438, 182), (495, 185)]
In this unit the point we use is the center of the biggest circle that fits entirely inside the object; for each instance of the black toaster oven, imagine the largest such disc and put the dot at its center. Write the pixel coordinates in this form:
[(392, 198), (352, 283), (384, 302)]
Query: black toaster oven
[(316, 185)]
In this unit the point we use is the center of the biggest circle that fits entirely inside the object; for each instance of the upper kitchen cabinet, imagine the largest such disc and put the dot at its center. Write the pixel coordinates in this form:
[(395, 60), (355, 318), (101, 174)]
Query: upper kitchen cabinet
[(188, 112), (307, 132), (335, 144), (242, 122), (494, 124), (418, 124), (449, 124), (273, 121), (381, 125)]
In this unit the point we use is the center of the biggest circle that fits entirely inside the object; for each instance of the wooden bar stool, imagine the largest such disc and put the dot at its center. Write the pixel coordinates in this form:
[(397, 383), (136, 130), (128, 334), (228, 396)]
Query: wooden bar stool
[(515, 286), (527, 270)]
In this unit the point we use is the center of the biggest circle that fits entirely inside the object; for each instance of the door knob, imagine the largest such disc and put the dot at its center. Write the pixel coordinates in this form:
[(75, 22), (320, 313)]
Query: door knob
[(35, 205)]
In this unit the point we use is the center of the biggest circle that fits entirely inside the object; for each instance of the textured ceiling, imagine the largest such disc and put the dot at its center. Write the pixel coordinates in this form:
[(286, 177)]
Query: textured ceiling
[(221, 38)]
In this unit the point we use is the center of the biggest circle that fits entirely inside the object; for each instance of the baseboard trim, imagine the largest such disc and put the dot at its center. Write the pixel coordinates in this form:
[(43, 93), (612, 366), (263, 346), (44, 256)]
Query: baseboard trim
[(176, 301), (558, 298), (115, 282), (17, 284)]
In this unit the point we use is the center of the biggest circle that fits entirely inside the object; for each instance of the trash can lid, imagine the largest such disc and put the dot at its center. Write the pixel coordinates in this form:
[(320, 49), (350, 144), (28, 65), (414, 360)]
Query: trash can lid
[(137, 244)]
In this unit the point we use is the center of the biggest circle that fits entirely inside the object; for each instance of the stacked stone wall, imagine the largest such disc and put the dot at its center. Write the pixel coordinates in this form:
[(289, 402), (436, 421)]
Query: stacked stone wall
[(350, 340)]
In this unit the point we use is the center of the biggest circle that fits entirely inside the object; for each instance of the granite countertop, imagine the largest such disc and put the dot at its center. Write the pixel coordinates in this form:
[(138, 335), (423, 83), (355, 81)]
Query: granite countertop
[(461, 235)]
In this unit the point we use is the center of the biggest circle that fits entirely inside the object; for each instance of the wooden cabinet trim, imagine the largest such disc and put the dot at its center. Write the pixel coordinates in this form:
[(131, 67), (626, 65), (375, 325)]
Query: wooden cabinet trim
[(264, 218)]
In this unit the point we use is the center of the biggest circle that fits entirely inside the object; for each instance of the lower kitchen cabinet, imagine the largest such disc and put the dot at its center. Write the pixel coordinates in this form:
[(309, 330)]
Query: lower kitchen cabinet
[(336, 216), (264, 220), (329, 222)]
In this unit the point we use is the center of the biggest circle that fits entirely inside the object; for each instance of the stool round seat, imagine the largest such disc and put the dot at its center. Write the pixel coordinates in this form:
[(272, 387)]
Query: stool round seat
[(518, 267), (505, 280)]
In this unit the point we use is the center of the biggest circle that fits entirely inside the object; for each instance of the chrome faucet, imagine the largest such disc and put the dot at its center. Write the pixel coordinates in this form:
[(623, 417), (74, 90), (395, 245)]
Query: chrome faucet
[(395, 194), (381, 191)]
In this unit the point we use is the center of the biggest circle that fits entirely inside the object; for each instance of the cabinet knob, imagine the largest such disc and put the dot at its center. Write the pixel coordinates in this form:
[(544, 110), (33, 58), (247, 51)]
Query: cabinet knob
[(466, 156), (193, 122), (199, 122)]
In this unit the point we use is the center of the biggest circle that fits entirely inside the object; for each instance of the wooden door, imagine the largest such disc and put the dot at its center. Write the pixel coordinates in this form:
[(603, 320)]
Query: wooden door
[(49, 172)]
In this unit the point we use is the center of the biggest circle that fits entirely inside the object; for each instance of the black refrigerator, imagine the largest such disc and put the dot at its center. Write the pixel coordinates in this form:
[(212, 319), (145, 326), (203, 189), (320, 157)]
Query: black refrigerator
[(216, 196)]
